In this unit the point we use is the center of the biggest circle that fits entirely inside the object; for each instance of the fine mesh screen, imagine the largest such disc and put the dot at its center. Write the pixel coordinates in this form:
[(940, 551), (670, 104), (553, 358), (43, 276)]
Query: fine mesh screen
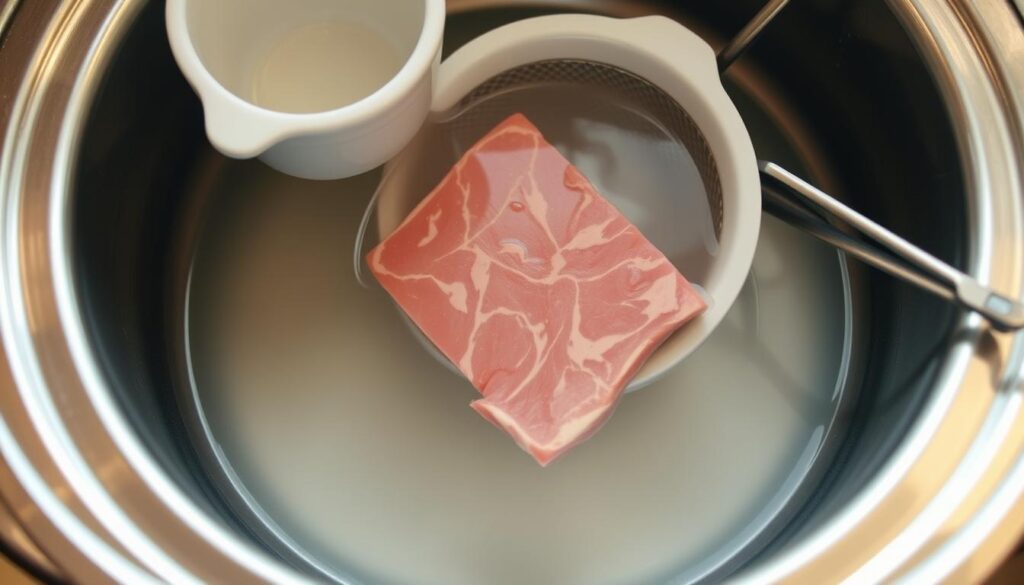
[(634, 90)]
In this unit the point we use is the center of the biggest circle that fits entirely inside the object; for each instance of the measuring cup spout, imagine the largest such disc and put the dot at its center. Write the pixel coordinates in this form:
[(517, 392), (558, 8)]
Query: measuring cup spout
[(235, 130)]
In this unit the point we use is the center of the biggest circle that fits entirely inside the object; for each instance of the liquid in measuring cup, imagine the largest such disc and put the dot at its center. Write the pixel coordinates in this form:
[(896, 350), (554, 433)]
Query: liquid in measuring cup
[(324, 66)]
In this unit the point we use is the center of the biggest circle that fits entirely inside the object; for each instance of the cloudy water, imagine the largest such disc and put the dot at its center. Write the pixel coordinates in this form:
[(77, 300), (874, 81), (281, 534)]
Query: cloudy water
[(363, 448)]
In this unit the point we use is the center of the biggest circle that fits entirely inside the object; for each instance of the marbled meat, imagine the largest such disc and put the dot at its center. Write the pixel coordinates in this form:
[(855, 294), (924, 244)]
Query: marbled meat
[(534, 286)]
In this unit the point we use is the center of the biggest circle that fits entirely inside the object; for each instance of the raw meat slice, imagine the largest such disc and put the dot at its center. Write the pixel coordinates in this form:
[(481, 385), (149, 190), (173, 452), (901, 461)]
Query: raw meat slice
[(535, 286)]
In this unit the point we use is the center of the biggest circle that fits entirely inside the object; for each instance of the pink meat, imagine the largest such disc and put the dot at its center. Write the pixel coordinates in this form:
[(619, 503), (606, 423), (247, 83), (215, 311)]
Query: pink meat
[(536, 287)]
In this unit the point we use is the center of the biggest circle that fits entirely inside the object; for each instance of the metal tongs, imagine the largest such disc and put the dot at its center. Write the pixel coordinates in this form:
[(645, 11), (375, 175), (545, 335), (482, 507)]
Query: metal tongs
[(805, 206)]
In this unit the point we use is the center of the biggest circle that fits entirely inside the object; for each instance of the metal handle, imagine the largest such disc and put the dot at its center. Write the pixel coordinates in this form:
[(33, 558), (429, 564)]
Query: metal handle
[(925, 270), (749, 33)]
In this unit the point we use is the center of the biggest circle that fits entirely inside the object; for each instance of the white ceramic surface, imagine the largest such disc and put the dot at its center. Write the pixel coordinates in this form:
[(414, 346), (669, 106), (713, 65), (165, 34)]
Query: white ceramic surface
[(226, 48), (680, 63)]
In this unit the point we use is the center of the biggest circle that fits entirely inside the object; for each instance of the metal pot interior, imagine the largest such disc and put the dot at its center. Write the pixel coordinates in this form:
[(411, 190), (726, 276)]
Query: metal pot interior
[(836, 90)]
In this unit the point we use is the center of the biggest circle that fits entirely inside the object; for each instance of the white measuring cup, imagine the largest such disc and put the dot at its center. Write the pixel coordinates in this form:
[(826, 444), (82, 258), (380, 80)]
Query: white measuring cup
[(319, 89)]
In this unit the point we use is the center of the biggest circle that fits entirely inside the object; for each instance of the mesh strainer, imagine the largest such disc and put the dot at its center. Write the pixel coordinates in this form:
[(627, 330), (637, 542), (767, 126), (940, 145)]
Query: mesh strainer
[(638, 105), (664, 84)]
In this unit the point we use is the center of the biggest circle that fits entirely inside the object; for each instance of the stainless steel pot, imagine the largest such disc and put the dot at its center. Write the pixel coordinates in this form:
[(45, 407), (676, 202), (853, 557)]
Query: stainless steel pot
[(911, 109)]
